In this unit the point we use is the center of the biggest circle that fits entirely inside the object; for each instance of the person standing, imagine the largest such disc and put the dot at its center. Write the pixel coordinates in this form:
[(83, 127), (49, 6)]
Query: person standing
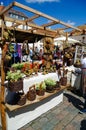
[(83, 78)]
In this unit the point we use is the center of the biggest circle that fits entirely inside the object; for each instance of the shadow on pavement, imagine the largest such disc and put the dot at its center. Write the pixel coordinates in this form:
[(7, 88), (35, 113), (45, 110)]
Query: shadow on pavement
[(83, 125), (74, 100)]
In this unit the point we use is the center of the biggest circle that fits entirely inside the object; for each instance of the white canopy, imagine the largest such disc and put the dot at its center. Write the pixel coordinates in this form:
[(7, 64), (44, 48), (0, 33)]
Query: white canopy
[(62, 39)]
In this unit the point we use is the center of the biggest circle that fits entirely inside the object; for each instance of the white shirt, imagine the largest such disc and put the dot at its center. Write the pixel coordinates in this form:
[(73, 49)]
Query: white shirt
[(83, 62)]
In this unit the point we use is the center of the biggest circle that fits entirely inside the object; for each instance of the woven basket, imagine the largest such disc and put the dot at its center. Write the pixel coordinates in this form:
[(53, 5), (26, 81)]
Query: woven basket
[(50, 89), (22, 99), (63, 81), (57, 86), (15, 86), (18, 98), (31, 94), (40, 92)]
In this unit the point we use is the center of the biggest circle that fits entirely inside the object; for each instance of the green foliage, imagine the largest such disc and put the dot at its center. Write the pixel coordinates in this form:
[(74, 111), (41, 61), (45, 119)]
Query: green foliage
[(50, 82), (11, 48), (18, 66), (14, 76), (40, 86)]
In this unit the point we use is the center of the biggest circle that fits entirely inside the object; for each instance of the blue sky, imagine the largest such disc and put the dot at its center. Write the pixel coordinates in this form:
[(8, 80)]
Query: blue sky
[(69, 11)]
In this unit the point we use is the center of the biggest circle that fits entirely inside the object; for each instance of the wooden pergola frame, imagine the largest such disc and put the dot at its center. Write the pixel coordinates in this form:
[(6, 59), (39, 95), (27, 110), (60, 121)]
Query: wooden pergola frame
[(35, 31)]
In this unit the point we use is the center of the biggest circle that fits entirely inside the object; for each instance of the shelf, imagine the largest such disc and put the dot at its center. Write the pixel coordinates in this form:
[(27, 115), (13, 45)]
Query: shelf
[(38, 99)]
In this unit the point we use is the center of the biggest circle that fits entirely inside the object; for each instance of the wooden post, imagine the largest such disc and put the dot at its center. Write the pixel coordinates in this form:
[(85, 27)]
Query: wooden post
[(2, 93), (66, 36)]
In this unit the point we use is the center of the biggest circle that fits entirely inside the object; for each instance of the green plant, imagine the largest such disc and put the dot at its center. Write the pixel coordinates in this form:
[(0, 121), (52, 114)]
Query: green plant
[(14, 76), (18, 66), (50, 82), (40, 86)]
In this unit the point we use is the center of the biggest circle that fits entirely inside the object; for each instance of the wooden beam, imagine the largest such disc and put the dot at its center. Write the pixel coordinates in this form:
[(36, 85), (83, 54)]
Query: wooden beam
[(0, 96), (35, 31), (3, 113), (32, 18), (62, 28), (6, 9), (44, 15), (49, 24), (15, 25), (21, 22), (69, 26), (33, 11), (37, 13)]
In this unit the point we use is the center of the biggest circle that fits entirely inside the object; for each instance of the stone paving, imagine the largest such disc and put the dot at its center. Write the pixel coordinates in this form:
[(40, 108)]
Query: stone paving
[(65, 116)]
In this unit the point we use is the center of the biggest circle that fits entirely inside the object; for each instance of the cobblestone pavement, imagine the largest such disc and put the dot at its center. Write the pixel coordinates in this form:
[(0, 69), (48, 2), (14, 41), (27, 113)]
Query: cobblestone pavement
[(65, 116)]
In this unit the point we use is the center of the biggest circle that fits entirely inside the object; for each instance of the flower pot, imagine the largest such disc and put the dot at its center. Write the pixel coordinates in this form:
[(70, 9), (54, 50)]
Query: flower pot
[(31, 94), (57, 86), (22, 99), (63, 81), (40, 92), (15, 86), (49, 89)]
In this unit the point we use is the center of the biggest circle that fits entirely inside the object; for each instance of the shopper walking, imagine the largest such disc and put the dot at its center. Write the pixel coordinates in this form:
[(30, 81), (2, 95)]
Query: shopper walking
[(83, 67)]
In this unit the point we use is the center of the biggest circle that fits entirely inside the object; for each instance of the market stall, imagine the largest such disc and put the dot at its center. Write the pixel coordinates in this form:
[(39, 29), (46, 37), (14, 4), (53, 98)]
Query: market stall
[(32, 109), (22, 115)]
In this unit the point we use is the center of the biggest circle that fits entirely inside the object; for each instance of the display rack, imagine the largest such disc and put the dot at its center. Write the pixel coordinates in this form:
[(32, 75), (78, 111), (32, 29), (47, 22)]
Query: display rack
[(38, 99)]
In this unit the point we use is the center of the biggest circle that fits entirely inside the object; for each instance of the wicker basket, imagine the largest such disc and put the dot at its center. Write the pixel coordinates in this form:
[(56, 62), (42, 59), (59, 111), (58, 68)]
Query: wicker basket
[(57, 86), (31, 94), (15, 86), (63, 81), (50, 89), (18, 98), (40, 92), (22, 99)]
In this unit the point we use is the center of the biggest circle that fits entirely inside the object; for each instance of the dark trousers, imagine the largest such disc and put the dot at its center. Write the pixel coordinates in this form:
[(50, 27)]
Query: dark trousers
[(84, 101)]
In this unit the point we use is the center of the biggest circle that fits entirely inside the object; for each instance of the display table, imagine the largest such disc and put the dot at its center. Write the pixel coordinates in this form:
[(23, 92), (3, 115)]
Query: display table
[(18, 116), (28, 82)]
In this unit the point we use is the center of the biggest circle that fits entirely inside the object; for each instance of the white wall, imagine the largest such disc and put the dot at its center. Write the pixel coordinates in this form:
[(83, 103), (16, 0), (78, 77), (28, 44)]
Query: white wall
[(79, 38)]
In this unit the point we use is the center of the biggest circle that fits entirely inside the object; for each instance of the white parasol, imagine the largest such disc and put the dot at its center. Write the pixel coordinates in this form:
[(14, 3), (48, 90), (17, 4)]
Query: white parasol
[(62, 39)]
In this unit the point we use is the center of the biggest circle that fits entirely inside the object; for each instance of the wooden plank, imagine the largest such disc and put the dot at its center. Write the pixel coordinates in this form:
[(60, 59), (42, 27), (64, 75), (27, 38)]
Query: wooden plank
[(32, 18), (37, 13), (0, 97), (15, 25), (36, 32), (38, 99), (49, 24), (3, 114), (58, 29), (44, 15), (21, 22), (46, 32), (6, 9)]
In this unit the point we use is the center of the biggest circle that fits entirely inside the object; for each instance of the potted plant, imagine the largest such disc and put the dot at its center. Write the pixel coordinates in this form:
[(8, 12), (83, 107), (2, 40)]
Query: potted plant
[(50, 84), (15, 80), (40, 88)]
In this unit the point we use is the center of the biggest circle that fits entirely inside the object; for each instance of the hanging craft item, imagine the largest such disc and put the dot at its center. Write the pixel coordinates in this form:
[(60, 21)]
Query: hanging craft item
[(48, 55)]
